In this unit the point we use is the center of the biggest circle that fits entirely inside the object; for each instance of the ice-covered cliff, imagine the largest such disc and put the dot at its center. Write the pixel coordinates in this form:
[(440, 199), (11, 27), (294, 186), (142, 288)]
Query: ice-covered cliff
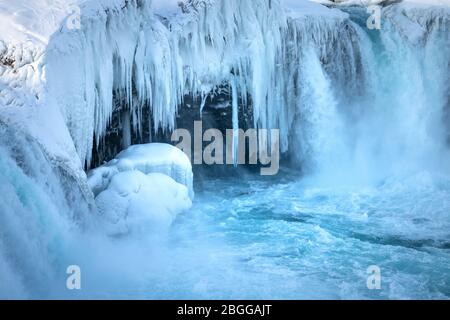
[(87, 60), (133, 56)]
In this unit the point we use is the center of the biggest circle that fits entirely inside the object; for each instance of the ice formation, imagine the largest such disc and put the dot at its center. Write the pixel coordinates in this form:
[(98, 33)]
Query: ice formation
[(151, 158), (143, 189), (144, 54), (40, 208), (134, 202), (149, 62)]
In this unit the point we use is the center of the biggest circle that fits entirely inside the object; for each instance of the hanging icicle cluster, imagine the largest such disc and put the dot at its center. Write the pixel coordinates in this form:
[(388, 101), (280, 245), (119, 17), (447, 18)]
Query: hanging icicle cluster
[(147, 61)]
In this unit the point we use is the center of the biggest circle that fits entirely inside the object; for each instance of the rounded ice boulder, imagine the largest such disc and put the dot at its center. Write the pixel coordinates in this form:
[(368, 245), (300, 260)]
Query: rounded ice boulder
[(143, 189), (146, 158), (138, 203)]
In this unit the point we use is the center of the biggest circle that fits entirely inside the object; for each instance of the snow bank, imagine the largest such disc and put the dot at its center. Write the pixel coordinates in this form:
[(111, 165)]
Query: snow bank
[(139, 203), (149, 158)]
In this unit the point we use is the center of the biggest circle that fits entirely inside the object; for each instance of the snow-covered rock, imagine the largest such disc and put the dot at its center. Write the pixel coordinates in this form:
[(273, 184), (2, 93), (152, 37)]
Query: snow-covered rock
[(150, 158), (139, 203), (143, 189)]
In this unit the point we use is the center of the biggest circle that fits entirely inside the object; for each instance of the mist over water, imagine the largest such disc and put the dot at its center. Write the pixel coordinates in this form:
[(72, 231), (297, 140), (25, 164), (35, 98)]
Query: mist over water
[(292, 239), (374, 188), (370, 185)]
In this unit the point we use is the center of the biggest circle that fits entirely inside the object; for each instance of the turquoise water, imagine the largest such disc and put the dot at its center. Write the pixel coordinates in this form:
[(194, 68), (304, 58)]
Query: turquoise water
[(288, 238), (265, 238)]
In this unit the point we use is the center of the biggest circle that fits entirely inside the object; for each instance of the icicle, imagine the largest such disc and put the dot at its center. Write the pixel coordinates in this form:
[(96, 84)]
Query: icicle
[(126, 129), (235, 108), (151, 64), (203, 102)]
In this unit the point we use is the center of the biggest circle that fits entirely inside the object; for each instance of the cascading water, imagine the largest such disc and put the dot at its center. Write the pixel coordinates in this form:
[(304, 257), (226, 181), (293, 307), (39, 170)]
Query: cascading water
[(364, 115), (370, 135), (389, 117), (35, 218), (319, 127)]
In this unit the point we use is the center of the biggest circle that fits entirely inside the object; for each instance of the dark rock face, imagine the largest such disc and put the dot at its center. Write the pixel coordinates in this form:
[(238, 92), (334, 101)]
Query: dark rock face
[(216, 114)]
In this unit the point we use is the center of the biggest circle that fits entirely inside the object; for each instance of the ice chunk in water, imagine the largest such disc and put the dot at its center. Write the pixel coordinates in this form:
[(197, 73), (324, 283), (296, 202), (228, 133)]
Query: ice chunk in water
[(148, 158), (136, 202)]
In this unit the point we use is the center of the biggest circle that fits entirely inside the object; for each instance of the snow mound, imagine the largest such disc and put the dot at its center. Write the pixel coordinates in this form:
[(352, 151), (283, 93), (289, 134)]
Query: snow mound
[(148, 158), (139, 203)]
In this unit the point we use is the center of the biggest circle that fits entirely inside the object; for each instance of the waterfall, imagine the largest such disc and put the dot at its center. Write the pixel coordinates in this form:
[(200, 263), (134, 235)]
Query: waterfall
[(318, 128), (39, 212), (376, 109), (352, 105)]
